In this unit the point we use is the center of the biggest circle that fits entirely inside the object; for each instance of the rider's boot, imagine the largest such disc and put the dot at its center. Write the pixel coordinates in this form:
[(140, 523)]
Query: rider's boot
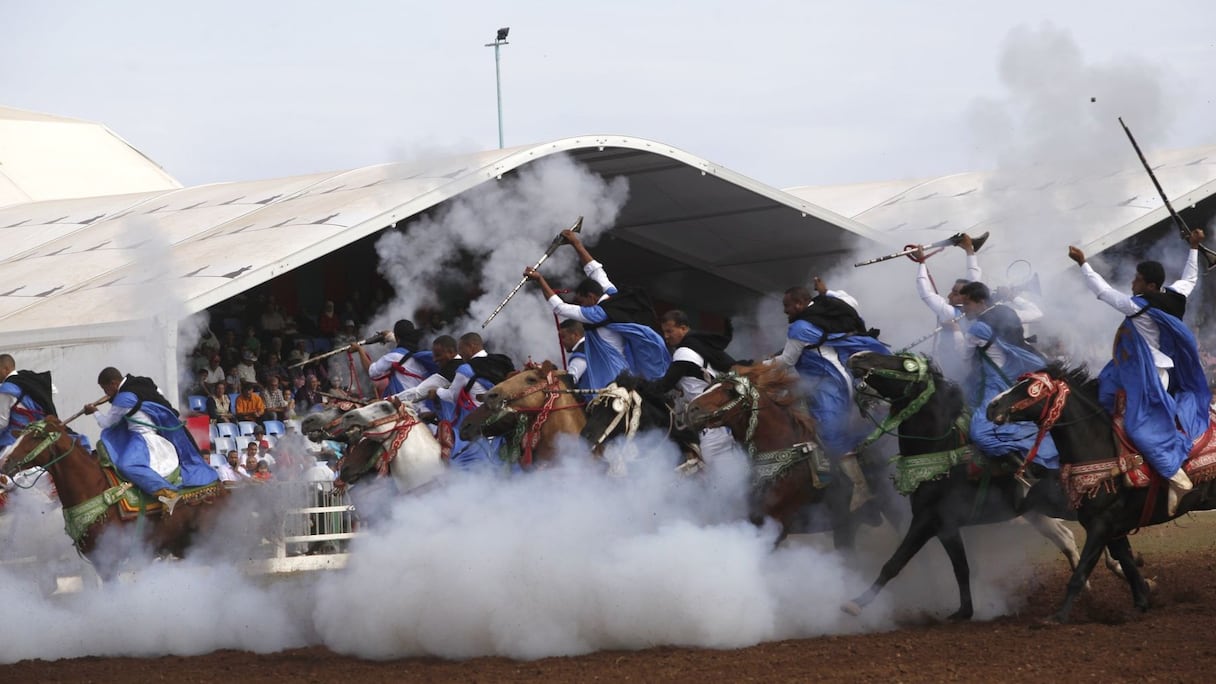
[(1180, 484), (169, 498), (851, 468)]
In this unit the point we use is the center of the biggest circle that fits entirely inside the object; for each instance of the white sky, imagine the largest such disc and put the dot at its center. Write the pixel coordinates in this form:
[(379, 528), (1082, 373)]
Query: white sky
[(789, 93)]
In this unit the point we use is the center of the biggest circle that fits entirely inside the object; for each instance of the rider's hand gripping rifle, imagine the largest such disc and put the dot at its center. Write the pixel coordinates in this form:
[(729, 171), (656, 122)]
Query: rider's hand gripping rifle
[(976, 242)]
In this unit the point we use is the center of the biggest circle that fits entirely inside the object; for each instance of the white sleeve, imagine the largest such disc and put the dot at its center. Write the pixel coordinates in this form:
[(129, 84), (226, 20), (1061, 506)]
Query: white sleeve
[(844, 297), (6, 406), (381, 367), (595, 271), (936, 303), (974, 274), (1027, 311), (791, 353), (566, 311), (420, 391), (449, 393), (1104, 292), (1190, 275), (576, 368), (109, 415)]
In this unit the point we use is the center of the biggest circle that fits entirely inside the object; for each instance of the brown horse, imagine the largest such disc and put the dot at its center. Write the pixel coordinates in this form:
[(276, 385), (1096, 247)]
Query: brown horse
[(90, 498), (531, 408), (762, 406)]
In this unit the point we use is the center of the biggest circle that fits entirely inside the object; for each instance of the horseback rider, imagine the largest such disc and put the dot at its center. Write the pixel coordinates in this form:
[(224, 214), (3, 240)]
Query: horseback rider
[(446, 356), (573, 339), (478, 372), (697, 357), (146, 439), (405, 366), (947, 309), (1156, 365), (998, 354), (824, 332), (620, 326), (25, 397)]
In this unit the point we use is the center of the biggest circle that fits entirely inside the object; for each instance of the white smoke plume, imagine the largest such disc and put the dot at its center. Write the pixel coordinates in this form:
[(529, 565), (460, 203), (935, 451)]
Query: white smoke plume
[(505, 226)]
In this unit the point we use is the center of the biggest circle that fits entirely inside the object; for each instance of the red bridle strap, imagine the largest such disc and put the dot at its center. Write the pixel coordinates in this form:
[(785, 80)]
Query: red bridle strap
[(1053, 393)]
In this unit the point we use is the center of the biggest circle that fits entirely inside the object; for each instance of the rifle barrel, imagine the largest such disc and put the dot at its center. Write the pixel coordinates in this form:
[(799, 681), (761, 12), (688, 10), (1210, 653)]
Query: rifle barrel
[(553, 246)]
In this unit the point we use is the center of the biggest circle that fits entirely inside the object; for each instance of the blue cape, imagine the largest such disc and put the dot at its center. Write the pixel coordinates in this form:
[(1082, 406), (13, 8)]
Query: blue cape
[(985, 382), (129, 452), (16, 421), (645, 354), (829, 400), (1152, 411)]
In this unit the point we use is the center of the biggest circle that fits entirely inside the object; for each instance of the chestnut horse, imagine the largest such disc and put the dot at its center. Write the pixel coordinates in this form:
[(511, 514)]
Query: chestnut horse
[(762, 406), (532, 408), (90, 498)]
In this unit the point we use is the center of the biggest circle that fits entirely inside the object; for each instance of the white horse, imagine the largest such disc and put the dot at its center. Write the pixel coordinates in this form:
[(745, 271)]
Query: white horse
[(390, 435)]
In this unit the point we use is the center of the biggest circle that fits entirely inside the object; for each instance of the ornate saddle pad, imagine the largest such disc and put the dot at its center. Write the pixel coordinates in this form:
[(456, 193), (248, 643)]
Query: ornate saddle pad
[(1087, 479), (134, 500)]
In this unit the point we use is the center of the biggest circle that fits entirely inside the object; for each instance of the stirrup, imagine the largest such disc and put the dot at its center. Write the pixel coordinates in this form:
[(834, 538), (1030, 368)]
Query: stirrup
[(170, 502)]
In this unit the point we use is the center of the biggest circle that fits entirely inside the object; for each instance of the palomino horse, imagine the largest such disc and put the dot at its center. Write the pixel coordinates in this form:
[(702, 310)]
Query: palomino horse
[(625, 407), (935, 453), (531, 408), (91, 498), (389, 437), (1094, 468), (761, 406)]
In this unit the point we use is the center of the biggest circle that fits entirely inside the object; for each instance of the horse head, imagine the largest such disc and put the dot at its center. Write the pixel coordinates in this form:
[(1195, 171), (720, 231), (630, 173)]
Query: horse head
[(725, 401), (33, 449), (322, 425), (359, 459), (522, 391), (354, 422), (889, 377), (1036, 395), (614, 409)]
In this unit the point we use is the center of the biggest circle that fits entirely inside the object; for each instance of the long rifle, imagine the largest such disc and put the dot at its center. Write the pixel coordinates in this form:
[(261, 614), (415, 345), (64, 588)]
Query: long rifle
[(1184, 230), (80, 413), (976, 243), (374, 339), (557, 242)]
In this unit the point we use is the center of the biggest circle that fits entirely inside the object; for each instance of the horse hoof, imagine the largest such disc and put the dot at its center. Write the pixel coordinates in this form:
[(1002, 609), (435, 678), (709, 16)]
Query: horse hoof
[(852, 608), (1150, 583)]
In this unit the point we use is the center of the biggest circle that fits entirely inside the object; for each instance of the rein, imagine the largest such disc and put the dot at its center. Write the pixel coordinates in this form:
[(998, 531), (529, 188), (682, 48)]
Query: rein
[(402, 422), (39, 428), (631, 411), (915, 370), (527, 435), (1053, 394)]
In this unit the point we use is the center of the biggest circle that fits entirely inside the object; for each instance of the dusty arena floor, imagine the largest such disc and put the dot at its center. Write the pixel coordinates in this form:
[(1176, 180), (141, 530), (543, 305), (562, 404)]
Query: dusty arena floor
[(1108, 641)]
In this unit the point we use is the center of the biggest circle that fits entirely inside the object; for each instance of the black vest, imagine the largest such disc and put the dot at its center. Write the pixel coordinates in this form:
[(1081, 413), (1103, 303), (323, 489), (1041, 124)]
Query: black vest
[(36, 386), (492, 368), (1172, 303), (627, 306), (1006, 326), (711, 347), (833, 315), (145, 390)]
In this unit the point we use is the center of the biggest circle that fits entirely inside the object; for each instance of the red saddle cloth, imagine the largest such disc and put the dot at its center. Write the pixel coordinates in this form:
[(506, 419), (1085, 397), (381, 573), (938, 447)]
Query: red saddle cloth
[(1200, 464)]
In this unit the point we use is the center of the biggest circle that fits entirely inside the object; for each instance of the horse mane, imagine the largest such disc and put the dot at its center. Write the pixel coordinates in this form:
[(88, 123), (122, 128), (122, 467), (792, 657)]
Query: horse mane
[(781, 386), (1075, 376), (544, 368), (950, 392)]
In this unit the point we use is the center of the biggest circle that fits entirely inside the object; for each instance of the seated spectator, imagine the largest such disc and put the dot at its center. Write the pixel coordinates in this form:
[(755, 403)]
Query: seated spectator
[(209, 341), (200, 359), (277, 405), (347, 335), (327, 322), (249, 405), (251, 343), (245, 370), (309, 396), (263, 474), (219, 404), (228, 470), (200, 387), (251, 458), (272, 317), (214, 372), (272, 368), (299, 353)]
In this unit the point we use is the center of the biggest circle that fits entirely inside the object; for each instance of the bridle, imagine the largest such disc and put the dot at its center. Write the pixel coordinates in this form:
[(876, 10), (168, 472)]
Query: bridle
[(626, 404), (746, 396), (913, 372), (400, 422), (528, 432), (1053, 393), (49, 437)]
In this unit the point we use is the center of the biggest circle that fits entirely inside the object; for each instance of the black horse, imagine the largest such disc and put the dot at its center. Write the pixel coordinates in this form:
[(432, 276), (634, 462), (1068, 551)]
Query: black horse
[(628, 406), (1108, 510), (934, 453)]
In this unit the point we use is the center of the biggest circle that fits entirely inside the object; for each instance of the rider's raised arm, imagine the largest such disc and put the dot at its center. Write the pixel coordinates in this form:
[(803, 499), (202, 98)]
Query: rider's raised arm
[(1105, 293), (1190, 275), (937, 304), (595, 271)]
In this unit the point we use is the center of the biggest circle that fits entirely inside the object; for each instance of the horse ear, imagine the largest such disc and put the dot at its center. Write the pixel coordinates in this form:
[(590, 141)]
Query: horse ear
[(547, 367)]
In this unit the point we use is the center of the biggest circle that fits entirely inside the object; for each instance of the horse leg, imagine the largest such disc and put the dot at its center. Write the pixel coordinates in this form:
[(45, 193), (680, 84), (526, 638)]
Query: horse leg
[(923, 527), (952, 541), (1121, 550), (1058, 533), (1095, 541)]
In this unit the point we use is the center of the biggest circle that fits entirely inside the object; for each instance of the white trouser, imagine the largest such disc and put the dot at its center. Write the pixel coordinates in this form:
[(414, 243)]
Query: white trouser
[(162, 457), (717, 444)]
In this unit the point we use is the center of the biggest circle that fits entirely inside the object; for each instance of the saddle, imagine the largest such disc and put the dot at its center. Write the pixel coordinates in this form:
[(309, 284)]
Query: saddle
[(1087, 479), (134, 500)]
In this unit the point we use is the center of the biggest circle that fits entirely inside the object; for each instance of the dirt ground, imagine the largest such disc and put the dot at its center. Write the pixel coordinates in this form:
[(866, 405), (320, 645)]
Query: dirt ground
[(1108, 641)]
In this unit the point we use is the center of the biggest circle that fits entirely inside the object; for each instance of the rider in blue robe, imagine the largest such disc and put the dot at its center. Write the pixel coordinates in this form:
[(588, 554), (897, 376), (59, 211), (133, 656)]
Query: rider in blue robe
[(406, 366), (621, 331), (142, 432), (25, 397), (1156, 364), (999, 355), (478, 372)]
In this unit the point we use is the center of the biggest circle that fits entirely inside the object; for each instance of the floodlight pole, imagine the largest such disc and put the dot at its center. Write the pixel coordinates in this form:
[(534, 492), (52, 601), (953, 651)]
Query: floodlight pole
[(498, 42)]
